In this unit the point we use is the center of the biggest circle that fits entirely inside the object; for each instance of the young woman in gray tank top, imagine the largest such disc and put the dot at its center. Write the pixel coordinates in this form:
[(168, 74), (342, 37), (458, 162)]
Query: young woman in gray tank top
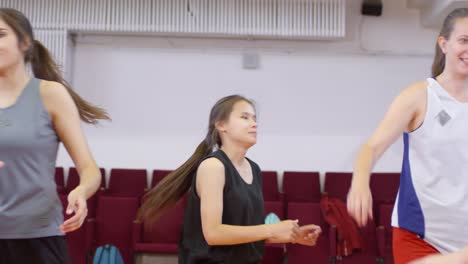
[(224, 219), (36, 114)]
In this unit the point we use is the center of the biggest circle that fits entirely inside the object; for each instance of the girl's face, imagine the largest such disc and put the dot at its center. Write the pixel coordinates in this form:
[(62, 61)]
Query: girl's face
[(241, 126), (456, 48)]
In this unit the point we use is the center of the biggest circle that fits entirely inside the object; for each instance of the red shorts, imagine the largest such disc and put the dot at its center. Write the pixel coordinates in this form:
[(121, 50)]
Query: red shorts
[(407, 246)]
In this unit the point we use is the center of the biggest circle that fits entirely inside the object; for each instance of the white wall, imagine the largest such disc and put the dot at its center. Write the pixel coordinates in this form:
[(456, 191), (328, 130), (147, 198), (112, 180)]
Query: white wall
[(317, 100)]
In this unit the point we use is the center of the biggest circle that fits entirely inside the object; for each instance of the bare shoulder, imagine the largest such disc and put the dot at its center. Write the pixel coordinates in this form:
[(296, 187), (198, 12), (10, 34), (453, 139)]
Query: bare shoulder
[(53, 90), (210, 176), (210, 165), (55, 97), (412, 99), (415, 92)]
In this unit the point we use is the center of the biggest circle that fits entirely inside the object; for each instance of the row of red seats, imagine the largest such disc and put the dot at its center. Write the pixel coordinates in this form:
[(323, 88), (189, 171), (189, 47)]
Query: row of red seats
[(113, 219), (111, 211), (122, 182), (301, 200)]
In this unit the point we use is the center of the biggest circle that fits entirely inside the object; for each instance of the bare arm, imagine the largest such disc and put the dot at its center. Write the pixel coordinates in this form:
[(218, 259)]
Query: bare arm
[(405, 114), (209, 184), (67, 124)]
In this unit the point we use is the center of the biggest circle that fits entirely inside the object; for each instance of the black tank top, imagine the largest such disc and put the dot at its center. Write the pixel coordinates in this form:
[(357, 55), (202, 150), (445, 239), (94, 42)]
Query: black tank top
[(242, 206)]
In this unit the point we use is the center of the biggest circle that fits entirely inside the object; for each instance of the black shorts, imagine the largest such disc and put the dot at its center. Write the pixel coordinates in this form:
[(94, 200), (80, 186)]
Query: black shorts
[(44, 250)]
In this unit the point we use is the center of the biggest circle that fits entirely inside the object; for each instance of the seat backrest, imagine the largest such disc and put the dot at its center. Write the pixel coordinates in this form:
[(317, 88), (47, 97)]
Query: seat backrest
[(270, 186), (384, 187), (127, 182), (114, 221), (301, 186), (73, 179), (158, 175), (167, 228), (337, 184)]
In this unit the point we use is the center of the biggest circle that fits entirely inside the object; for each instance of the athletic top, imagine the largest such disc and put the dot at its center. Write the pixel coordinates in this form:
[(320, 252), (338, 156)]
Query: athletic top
[(29, 204), (242, 206), (432, 201)]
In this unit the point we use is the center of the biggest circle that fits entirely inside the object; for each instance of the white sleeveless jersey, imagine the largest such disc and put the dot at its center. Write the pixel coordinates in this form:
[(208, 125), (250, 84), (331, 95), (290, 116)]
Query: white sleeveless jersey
[(432, 201)]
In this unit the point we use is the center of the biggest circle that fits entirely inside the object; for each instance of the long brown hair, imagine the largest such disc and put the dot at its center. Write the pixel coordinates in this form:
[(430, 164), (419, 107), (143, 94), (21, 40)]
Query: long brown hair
[(175, 185), (43, 65), (438, 64)]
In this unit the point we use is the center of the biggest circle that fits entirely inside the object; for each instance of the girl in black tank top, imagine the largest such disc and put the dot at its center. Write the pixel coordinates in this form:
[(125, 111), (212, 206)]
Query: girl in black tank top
[(224, 218)]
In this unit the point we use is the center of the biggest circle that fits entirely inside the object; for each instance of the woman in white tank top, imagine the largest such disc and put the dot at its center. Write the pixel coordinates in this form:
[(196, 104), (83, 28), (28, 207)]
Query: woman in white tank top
[(431, 210)]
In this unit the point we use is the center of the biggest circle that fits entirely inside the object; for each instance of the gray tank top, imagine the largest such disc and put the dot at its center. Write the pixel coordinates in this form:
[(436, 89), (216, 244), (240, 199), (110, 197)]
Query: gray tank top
[(29, 204)]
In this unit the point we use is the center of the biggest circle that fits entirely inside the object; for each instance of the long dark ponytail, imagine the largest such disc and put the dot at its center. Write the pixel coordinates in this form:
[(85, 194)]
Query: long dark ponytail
[(43, 66), (175, 185)]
